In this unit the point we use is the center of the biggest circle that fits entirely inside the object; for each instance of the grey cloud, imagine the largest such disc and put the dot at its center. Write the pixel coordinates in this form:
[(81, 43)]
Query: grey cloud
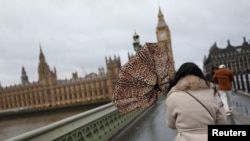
[(77, 35)]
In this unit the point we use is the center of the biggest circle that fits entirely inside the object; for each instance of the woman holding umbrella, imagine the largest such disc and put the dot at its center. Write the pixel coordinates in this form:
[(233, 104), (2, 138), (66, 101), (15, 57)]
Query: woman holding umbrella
[(192, 104)]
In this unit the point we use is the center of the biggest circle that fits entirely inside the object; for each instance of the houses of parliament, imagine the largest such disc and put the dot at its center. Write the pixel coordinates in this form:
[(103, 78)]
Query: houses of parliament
[(49, 92), (236, 58)]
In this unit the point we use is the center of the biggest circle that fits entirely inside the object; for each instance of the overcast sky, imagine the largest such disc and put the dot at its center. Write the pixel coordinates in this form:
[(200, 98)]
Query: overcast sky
[(76, 35)]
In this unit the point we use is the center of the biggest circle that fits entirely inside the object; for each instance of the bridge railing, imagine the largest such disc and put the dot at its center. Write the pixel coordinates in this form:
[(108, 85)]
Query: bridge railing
[(98, 124), (242, 82)]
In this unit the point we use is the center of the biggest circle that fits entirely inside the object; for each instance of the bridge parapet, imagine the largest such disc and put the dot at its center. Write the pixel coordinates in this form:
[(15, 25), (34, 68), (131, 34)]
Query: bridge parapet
[(98, 124), (242, 82)]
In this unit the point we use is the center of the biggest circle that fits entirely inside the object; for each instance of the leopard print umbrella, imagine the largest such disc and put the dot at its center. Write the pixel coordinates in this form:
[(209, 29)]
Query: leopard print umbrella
[(143, 78)]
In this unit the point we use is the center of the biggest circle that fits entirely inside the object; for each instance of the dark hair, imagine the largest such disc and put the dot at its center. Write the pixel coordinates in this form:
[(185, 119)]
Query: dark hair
[(185, 69), (214, 67)]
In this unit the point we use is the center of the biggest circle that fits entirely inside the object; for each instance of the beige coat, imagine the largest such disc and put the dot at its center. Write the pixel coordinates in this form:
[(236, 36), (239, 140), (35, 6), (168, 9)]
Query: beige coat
[(187, 115)]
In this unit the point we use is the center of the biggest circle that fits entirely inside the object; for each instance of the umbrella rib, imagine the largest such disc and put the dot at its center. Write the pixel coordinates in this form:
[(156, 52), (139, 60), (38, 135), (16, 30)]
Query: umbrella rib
[(145, 59), (167, 69)]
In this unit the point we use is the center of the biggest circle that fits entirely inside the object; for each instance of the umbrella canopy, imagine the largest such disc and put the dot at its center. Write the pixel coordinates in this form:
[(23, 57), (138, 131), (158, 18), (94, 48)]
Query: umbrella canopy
[(143, 78)]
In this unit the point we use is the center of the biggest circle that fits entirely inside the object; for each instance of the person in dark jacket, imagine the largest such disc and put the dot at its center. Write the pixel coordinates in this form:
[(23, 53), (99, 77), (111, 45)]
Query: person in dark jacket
[(210, 75), (224, 77)]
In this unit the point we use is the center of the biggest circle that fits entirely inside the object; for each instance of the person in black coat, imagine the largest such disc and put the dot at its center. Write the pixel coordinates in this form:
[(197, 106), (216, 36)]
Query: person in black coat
[(210, 75)]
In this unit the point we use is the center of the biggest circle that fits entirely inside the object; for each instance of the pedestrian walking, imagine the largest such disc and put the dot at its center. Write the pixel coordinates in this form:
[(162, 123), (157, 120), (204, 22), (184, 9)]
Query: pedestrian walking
[(224, 77), (192, 104), (211, 73), (214, 68)]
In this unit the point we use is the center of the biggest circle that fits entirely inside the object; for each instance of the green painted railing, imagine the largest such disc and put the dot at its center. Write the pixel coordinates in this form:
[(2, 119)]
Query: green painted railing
[(98, 124)]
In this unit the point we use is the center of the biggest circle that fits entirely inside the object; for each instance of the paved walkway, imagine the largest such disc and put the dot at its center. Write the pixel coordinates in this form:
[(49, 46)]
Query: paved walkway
[(151, 125), (241, 105)]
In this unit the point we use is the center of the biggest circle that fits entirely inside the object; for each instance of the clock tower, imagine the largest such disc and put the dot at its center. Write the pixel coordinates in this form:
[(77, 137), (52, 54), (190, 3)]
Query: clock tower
[(163, 32)]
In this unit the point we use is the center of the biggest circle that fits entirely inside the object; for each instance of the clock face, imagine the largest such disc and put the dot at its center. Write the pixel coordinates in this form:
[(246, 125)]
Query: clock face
[(163, 35)]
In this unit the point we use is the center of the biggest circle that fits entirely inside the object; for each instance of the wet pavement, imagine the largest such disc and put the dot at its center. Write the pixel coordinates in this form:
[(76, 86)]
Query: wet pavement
[(241, 108), (151, 125)]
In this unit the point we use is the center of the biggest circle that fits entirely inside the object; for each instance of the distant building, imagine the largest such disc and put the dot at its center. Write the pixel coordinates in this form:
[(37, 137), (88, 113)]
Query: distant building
[(136, 43), (24, 77), (49, 92), (236, 58), (162, 35)]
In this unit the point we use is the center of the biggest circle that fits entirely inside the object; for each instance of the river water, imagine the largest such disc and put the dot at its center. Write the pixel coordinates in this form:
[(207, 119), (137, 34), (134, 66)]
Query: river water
[(11, 126)]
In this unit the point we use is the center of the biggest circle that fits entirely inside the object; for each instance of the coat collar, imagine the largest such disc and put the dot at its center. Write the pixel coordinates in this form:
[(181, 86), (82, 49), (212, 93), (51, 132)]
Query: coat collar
[(189, 82)]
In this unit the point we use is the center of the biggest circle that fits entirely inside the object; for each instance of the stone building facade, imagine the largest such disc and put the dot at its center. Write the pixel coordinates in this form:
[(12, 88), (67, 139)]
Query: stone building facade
[(49, 92), (236, 58)]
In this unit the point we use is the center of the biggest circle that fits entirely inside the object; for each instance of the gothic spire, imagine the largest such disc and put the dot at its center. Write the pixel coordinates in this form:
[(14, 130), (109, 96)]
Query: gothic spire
[(41, 56), (161, 21), (24, 77)]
